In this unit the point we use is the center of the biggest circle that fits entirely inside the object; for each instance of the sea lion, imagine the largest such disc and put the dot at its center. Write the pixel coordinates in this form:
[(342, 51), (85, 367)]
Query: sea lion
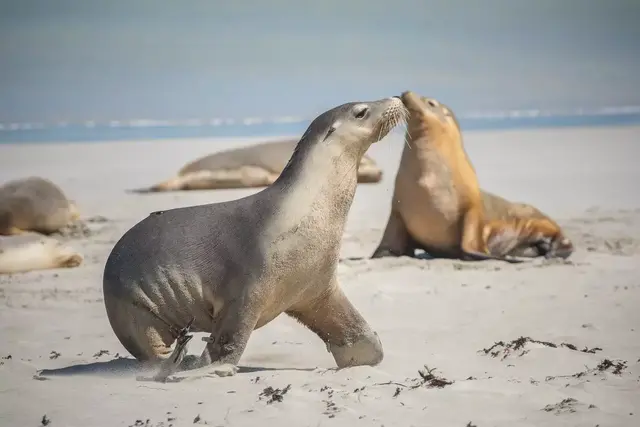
[(32, 251), (246, 167), (34, 204), (438, 205), (230, 268)]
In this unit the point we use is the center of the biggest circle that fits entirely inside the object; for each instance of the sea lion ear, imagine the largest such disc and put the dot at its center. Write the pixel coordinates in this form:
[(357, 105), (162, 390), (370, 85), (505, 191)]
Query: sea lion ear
[(332, 129)]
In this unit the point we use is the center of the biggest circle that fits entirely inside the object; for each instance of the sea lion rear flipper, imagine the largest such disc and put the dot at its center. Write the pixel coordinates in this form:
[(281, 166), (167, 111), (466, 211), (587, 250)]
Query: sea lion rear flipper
[(472, 240), (173, 184)]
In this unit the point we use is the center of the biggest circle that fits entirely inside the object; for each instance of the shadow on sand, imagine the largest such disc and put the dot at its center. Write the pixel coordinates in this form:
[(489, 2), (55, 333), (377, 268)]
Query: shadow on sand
[(125, 366), (418, 255)]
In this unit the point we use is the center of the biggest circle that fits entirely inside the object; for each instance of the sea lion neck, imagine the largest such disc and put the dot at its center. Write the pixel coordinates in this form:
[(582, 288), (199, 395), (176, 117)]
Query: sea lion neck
[(320, 180)]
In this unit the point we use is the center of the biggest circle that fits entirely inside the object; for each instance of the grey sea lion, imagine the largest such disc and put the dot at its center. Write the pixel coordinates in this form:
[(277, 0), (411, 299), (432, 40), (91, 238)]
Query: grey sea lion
[(32, 251), (438, 205), (34, 204), (251, 166), (229, 268)]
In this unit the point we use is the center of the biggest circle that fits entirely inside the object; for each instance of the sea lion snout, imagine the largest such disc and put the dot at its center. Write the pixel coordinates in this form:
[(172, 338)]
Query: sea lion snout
[(407, 95), (412, 101), (389, 113)]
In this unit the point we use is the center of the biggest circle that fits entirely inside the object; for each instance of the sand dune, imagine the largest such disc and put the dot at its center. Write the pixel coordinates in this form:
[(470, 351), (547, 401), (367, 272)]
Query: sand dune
[(552, 343)]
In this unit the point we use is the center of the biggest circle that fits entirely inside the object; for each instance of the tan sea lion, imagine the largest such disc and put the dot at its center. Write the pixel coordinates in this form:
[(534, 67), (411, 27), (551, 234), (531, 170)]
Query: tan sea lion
[(32, 251), (34, 204), (438, 205), (232, 267), (246, 167)]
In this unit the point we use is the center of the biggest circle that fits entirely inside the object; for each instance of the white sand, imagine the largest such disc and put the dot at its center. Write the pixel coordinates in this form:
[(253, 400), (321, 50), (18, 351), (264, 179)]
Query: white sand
[(439, 313)]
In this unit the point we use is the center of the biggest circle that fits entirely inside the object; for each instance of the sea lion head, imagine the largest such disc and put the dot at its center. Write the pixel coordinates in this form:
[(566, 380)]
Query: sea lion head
[(356, 125), (429, 117)]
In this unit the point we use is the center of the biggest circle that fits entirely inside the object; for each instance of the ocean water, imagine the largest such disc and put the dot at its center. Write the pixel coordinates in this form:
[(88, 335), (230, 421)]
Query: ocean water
[(257, 127), (85, 70)]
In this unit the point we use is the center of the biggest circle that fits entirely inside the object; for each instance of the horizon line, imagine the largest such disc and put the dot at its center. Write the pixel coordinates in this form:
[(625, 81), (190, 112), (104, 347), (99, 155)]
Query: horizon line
[(250, 121)]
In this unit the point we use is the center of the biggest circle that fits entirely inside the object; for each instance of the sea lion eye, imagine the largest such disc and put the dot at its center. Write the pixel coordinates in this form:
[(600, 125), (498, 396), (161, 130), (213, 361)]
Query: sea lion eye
[(362, 112), (432, 102)]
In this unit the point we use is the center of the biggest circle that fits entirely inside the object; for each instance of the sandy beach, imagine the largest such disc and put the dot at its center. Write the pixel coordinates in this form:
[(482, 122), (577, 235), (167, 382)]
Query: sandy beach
[(544, 343)]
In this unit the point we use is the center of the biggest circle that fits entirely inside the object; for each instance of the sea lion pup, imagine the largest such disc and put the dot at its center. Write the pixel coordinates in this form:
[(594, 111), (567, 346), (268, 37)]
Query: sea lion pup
[(246, 167), (34, 204), (438, 205), (229, 268), (32, 251)]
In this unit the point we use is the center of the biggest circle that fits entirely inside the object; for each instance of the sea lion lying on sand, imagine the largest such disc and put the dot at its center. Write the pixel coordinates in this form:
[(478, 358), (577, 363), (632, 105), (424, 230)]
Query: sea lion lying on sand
[(32, 251), (34, 204), (246, 167)]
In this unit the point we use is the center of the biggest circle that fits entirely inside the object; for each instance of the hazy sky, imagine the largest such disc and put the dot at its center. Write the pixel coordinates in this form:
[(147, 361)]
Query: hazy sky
[(103, 60)]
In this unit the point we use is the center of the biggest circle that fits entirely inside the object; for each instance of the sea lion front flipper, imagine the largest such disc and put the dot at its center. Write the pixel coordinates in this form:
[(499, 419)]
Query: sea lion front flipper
[(341, 327), (396, 240)]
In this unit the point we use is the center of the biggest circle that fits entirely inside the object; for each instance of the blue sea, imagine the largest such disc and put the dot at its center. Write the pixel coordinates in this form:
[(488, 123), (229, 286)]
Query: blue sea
[(80, 70), (256, 127)]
